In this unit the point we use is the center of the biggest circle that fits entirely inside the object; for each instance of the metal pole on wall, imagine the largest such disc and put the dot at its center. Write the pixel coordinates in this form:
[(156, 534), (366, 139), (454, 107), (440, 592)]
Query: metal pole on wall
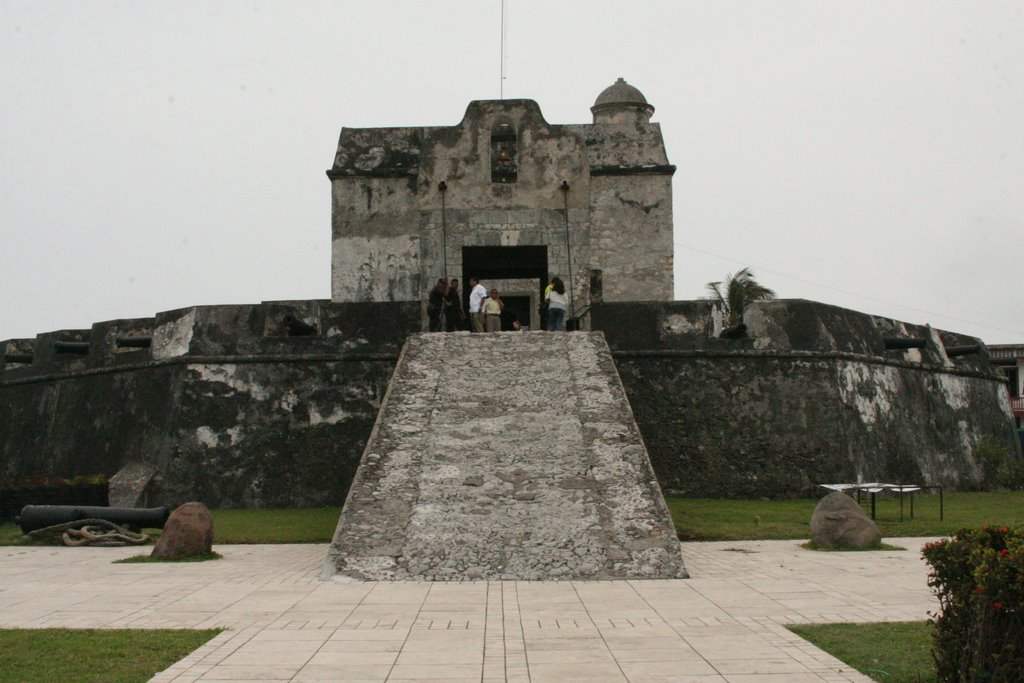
[(443, 188), (568, 249)]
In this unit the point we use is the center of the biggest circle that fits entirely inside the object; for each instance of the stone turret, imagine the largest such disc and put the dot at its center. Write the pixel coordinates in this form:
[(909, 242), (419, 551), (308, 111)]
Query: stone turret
[(620, 102)]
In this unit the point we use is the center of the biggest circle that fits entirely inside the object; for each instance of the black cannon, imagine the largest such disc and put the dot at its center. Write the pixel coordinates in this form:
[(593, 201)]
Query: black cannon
[(298, 328), (24, 358), (904, 342), (34, 517), (966, 350), (734, 332), (136, 342), (79, 348)]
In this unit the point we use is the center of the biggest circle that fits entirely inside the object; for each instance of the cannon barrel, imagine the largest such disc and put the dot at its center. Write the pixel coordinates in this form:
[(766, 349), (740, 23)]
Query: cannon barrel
[(734, 332), (78, 347), (17, 357), (134, 342), (34, 517), (966, 350), (298, 328), (904, 342)]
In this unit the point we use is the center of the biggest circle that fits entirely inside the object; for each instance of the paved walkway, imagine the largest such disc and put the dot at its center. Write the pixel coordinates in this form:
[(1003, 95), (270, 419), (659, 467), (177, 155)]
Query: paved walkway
[(724, 624)]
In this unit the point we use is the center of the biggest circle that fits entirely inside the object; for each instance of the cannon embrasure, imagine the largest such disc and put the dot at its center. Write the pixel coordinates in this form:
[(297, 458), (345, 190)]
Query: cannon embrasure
[(904, 342), (34, 517), (966, 350), (136, 342), (79, 348), (297, 327), (734, 332)]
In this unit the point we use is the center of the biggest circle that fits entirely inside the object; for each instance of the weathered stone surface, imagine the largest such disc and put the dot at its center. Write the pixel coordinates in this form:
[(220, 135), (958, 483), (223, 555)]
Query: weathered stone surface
[(228, 409), (132, 486), (392, 237), (505, 456), (838, 522), (188, 531), (811, 398)]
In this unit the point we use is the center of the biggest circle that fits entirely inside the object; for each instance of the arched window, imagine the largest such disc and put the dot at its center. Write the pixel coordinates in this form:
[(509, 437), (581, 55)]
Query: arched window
[(504, 162)]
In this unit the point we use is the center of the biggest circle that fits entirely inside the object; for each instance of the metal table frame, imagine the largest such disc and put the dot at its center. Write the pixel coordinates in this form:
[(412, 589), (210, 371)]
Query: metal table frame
[(875, 488)]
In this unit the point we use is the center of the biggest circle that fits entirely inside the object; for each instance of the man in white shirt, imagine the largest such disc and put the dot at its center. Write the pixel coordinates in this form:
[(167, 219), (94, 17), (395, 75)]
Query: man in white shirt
[(477, 294)]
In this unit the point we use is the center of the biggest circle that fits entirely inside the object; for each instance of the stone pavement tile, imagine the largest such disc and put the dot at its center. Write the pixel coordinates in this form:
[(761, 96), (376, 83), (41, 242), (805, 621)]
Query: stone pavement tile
[(630, 641), (250, 673), (680, 653), (346, 674), (394, 645), (438, 671), (689, 667), (286, 653), (343, 658), (575, 671), (287, 635), (389, 634), (454, 642), (464, 655), (776, 665), (807, 677), (565, 643), (398, 593), (714, 647), (567, 656)]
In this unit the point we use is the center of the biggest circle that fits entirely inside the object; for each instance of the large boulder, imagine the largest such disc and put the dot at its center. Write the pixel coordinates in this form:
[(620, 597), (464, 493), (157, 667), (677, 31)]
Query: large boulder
[(838, 522), (189, 531)]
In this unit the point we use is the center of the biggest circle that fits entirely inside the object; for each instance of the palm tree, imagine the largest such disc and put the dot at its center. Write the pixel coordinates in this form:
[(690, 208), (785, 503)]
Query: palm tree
[(736, 292)]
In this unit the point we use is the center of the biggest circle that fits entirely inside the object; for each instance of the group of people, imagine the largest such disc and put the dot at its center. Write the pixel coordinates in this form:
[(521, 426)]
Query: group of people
[(446, 312)]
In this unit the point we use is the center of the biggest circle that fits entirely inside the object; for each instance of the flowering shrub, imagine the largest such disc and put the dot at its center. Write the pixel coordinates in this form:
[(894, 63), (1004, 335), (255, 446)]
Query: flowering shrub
[(978, 577)]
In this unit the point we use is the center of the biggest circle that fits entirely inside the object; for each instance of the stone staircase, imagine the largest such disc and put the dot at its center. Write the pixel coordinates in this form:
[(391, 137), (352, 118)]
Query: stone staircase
[(505, 456)]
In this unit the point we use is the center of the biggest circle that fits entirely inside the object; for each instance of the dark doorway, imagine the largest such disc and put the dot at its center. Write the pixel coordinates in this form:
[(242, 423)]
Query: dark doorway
[(506, 263), (516, 308)]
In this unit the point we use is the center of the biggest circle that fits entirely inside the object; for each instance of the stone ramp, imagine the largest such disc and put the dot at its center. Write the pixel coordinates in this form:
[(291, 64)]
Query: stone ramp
[(505, 456)]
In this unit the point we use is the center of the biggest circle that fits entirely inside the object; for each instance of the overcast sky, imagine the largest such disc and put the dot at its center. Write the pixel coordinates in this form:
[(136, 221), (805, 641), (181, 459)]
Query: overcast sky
[(158, 155)]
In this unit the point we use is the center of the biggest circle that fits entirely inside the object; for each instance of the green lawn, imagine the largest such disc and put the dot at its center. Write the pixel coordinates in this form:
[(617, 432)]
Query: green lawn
[(732, 520), (93, 656), (889, 652), (695, 519)]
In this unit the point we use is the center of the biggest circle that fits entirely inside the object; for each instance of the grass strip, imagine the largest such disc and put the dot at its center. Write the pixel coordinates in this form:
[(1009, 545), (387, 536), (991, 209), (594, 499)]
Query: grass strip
[(716, 519), (893, 652), (142, 559), (93, 656), (301, 525)]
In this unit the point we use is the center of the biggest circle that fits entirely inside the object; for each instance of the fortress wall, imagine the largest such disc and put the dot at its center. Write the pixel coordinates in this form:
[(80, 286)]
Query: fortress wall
[(813, 398), (233, 411), (227, 407)]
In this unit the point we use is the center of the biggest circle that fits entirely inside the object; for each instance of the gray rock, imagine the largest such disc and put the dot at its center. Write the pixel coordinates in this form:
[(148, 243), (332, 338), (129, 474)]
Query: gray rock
[(132, 486), (838, 522)]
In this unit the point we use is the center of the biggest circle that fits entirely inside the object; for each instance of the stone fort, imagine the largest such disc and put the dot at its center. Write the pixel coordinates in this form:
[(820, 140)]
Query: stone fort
[(273, 404)]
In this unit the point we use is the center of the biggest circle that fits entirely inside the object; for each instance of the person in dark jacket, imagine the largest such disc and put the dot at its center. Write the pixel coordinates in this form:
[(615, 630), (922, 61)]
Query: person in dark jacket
[(435, 304)]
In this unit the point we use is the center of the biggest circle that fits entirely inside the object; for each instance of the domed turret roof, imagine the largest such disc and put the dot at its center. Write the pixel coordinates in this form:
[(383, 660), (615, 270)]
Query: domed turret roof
[(620, 92)]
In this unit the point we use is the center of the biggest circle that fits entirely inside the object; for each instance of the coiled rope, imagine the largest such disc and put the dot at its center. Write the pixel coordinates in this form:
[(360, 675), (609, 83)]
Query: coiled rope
[(96, 532)]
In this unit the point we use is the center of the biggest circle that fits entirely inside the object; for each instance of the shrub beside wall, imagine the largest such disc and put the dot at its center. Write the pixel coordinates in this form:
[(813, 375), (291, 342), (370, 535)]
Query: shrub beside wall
[(978, 576)]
